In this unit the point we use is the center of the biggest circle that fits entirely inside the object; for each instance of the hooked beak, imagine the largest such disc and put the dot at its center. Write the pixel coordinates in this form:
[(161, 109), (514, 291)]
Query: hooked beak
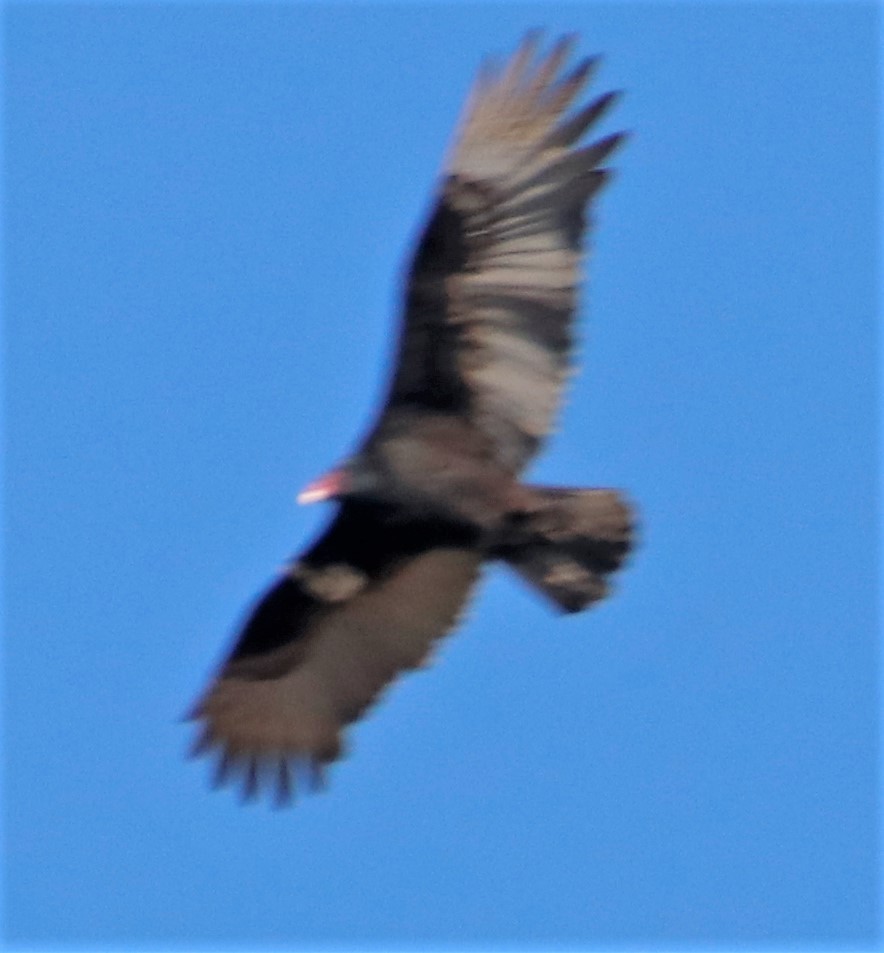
[(325, 488)]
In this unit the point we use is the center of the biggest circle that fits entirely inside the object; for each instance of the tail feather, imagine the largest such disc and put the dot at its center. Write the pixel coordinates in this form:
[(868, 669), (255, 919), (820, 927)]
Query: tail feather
[(568, 542)]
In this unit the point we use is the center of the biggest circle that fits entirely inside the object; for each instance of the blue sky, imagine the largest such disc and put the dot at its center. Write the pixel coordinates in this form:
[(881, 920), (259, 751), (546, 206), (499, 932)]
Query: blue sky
[(207, 209)]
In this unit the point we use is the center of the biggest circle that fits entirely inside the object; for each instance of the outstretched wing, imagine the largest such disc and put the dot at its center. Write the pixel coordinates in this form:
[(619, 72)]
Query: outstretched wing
[(364, 604), (492, 293)]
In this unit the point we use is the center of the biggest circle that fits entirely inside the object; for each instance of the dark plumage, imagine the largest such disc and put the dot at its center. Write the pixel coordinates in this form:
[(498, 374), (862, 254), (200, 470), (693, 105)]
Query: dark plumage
[(433, 492)]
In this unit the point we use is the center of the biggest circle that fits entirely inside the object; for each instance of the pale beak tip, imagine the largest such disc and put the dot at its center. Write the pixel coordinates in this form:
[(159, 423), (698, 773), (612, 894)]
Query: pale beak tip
[(310, 495)]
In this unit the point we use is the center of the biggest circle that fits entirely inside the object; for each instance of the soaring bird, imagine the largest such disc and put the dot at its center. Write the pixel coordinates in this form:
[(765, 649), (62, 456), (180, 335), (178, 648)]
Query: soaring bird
[(433, 491)]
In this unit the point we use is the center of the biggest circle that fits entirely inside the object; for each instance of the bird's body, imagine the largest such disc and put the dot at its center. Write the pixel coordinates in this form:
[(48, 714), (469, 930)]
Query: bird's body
[(439, 466), (434, 490)]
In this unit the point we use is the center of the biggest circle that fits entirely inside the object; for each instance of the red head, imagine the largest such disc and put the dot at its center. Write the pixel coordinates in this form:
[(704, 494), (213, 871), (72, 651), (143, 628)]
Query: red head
[(326, 487)]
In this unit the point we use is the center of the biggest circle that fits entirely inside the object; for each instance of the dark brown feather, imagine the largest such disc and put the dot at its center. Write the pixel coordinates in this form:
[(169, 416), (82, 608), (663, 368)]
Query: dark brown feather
[(567, 542)]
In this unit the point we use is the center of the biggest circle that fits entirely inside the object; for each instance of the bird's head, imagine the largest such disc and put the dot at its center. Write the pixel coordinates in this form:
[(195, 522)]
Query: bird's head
[(352, 478)]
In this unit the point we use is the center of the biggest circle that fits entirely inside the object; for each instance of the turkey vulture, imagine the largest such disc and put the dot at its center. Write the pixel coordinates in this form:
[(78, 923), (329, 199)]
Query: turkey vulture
[(433, 492)]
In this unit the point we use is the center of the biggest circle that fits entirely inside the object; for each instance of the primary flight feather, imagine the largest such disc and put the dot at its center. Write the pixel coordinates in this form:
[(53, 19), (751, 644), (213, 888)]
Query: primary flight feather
[(433, 492)]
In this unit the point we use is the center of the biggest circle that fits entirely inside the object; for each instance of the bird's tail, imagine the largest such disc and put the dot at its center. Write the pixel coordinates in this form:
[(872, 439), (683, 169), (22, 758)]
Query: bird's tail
[(567, 542)]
